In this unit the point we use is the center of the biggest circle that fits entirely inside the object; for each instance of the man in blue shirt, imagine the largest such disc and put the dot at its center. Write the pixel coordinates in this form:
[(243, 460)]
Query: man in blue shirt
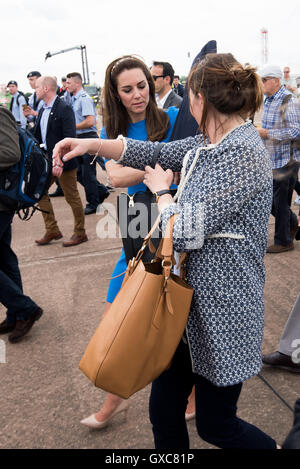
[(55, 122), (17, 102), (85, 115), (64, 93), (34, 104), (280, 129), (32, 111)]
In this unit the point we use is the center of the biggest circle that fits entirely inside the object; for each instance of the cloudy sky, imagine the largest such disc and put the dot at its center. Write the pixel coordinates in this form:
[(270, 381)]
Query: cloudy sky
[(155, 30)]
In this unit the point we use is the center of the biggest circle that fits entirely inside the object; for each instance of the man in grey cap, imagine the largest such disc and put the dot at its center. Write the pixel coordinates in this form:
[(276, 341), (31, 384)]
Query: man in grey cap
[(280, 129), (17, 102)]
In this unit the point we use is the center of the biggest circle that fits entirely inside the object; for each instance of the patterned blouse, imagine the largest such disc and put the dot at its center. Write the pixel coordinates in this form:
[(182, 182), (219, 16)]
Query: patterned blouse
[(223, 209)]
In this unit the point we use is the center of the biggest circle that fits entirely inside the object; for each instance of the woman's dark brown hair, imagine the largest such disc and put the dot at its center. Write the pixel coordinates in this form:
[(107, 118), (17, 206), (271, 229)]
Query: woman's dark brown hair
[(226, 86), (116, 119)]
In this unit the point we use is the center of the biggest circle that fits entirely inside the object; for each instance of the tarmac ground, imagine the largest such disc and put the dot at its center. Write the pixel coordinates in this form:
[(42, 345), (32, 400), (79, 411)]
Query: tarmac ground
[(43, 393)]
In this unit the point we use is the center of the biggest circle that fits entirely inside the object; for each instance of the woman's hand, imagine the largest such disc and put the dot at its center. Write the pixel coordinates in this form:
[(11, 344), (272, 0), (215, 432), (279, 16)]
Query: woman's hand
[(69, 148), (157, 179)]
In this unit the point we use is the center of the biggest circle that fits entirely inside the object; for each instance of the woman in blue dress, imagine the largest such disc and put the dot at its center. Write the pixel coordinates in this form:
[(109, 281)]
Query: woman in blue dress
[(131, 110), (222, 209)]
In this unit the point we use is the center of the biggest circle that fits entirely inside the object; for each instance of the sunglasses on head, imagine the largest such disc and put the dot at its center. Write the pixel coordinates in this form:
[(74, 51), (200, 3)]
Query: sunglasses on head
[(155, 77)]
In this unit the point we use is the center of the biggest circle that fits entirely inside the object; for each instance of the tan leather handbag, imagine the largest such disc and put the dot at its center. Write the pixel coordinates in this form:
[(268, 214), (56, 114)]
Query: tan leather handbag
[(137, 338)]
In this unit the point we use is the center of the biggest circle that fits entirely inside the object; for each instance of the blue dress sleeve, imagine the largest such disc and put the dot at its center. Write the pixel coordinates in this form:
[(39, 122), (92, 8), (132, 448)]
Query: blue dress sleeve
[(103, 135), (172, 113)]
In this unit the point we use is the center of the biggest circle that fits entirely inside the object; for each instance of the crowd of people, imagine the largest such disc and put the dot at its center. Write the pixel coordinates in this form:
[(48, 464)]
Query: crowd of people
[(233, 175)]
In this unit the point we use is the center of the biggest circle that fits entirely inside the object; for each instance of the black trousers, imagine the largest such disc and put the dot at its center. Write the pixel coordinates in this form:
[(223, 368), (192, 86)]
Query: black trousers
[(95, 192), (284, 180), (19, 306), (216, 407)]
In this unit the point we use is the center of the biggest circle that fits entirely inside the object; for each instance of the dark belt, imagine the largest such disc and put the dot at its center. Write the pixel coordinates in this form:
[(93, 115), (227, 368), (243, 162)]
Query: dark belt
[(88, 135)]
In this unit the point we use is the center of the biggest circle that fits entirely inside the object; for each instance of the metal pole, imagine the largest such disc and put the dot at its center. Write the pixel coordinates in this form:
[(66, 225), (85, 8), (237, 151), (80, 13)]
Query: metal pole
[(265, 52)]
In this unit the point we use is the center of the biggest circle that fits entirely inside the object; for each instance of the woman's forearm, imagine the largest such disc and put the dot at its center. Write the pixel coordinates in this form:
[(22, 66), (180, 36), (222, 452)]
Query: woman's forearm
[(110, 149), (137, 154), (120, 176)]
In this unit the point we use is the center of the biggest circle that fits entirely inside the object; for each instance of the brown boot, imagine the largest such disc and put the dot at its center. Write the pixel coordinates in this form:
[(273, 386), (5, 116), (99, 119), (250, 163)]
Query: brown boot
[(24, 326), (75, 239), (294, 231), (277, 248), (5, 327), (48, 237)]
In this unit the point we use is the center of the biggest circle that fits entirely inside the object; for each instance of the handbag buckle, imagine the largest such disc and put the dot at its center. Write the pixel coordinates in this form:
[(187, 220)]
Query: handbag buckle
[(167, 266), (131, 201)]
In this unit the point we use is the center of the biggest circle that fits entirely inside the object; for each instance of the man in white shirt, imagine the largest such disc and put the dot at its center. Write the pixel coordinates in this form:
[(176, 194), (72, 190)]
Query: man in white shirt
[(163, 76), (17, 102)]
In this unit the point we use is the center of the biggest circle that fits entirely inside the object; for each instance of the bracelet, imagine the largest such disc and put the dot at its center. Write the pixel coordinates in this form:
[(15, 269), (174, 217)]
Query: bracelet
[(97, 154), (121, 137), (158, 194)]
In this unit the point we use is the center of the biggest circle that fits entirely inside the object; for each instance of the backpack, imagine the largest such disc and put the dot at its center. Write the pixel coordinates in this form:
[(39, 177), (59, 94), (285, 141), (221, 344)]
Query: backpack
[(23, 185), (18, 98)]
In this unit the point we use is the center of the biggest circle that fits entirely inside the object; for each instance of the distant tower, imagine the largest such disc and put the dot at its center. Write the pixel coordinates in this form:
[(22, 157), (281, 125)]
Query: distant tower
[(264, 43)]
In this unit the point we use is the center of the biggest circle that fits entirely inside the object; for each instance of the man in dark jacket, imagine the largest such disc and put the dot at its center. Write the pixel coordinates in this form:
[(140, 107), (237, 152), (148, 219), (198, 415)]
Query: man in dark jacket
[(163, 75), (55, 122), (22, 312), (177, 86)]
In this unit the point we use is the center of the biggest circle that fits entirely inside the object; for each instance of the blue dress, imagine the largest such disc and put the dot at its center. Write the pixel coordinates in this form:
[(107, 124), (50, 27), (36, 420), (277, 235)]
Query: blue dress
[(137, 131)]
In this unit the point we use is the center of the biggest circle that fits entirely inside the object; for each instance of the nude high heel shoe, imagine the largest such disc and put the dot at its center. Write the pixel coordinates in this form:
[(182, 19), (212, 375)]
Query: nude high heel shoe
[(92, 422), (190, 416)]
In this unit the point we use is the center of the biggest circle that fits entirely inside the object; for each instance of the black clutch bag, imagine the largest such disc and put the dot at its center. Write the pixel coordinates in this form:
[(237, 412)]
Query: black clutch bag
[(136, 215)]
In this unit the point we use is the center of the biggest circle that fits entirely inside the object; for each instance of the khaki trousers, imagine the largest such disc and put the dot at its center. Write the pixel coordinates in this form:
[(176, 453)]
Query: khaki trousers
[(68, 182)]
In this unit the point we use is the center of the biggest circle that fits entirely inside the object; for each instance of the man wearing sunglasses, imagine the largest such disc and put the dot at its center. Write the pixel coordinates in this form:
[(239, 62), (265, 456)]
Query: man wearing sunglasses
[(163, 76), (280, 131)]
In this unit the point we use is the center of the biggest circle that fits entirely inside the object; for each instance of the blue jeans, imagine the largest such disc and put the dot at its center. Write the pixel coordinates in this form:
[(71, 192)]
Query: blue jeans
[(216, 409), (19, 306)]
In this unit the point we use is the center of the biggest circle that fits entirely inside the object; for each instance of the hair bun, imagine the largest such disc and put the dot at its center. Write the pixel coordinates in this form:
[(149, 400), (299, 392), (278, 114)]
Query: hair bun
[(226, 85)]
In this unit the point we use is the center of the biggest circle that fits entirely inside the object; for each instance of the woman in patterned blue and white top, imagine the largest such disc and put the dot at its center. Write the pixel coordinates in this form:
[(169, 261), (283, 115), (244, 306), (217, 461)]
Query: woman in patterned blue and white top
[(222, 206)]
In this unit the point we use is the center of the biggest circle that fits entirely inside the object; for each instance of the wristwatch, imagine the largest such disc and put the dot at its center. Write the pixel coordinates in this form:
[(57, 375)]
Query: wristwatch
[(158, 194)]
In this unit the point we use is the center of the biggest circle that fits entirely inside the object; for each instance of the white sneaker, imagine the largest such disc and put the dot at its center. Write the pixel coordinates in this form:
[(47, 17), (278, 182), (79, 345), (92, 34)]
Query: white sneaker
[(297, 200)]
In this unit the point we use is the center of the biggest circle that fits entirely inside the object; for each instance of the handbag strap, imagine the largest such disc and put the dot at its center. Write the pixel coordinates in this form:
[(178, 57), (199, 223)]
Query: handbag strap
[(164, 250), (167, 248), (156, 154)]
